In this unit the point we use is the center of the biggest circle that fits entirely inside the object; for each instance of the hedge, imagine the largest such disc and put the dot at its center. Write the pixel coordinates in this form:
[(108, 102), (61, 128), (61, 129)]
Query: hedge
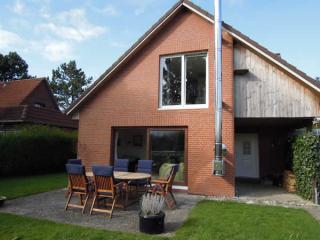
[(36, 150), (306, 163)]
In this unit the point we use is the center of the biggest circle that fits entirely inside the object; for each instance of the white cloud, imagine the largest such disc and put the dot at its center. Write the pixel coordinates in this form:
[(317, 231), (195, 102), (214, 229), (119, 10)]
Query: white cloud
[(55, 35), (53, 50), (18, 7), (140, 6), (57, 51), (44, 12), (19, 23), (9, 40), (109, 10), (72, 25)]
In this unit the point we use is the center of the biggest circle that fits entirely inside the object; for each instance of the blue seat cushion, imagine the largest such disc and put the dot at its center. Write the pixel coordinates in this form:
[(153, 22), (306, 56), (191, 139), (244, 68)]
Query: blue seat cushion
[(75, 169), (100, 170), (145, 166), (74, 161), (121, 165)]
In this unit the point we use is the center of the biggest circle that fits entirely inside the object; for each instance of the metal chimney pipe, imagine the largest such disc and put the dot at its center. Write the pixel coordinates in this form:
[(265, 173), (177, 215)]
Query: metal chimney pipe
[(218, 161)]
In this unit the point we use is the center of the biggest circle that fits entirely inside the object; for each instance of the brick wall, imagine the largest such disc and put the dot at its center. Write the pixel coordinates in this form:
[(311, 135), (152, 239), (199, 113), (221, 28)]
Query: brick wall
[(130, 98)]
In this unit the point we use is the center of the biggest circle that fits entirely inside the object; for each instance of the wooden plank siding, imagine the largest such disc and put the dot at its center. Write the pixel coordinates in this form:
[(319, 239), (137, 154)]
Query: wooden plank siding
[(267, 91)]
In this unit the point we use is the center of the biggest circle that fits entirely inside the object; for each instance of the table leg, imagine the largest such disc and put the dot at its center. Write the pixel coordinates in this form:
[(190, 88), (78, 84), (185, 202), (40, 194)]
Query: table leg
[(127, 194)]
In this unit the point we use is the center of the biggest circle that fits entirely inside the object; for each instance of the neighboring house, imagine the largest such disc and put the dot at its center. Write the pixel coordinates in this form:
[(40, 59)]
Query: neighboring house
[(30, 101), (157, 102)]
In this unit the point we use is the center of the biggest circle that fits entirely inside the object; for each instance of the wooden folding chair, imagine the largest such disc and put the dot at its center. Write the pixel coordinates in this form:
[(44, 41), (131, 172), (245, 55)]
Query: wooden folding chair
[(164, 186), (76, 161), (78, 184), (104, 188)]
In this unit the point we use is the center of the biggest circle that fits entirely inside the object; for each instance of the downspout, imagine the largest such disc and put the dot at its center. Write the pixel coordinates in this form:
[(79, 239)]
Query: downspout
[(218, 166)]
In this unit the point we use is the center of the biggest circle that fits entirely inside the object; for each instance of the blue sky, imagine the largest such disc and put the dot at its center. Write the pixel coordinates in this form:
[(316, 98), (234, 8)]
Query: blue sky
[(47, 33)]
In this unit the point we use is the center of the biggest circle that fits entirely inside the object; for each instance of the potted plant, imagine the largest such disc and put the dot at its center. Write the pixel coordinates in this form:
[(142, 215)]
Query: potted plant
[(151, 215), (2, 200)]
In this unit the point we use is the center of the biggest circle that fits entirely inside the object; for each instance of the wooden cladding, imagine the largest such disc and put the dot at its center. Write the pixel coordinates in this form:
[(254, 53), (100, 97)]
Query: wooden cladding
[(267, 91)]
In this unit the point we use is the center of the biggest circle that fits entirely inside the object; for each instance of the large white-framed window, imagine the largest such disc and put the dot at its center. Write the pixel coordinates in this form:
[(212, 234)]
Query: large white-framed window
[(184, 81)]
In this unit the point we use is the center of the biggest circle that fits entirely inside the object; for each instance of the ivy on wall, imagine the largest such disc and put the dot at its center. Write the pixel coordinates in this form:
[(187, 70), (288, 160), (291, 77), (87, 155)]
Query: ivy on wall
[(306, 163)]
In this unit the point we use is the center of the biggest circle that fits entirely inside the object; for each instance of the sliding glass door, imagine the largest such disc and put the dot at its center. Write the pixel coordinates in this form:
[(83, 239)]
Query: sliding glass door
[(167, 146)]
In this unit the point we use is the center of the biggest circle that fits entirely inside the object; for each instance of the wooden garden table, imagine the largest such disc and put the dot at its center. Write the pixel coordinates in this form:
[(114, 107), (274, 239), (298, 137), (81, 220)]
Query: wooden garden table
[(126, 177)]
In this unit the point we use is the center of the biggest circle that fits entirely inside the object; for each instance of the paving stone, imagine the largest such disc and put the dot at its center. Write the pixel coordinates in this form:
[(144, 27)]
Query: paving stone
[(50, 206)]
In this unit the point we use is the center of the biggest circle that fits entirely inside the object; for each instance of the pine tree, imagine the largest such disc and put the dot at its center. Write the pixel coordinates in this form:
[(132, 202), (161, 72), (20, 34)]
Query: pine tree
[(68, 83), (13, 67)]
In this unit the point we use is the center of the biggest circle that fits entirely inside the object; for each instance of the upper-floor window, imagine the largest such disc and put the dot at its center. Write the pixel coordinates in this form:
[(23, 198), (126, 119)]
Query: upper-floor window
[(184, 81)]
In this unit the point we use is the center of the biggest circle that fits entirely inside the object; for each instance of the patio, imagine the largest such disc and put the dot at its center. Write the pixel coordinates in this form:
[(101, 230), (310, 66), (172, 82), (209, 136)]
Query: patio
[(50, 206), (206, 221), (255, 193), (269, 194)]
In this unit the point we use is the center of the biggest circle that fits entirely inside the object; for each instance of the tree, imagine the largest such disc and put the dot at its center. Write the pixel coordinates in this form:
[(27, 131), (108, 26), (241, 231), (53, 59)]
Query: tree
[(68, 83), (12, 67)]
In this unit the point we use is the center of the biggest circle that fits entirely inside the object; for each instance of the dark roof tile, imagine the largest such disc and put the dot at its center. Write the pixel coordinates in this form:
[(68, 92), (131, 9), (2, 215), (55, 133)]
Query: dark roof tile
[(15, 92)]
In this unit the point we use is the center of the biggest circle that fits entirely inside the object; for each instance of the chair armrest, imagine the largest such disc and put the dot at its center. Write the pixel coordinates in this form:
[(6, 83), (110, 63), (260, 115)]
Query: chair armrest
[(162, 179), (159, 181)]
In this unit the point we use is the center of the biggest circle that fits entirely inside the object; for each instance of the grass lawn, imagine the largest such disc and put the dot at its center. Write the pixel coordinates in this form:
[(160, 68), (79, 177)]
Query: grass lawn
[(208, 220), (14, 187), (22, 228), (231, 220)]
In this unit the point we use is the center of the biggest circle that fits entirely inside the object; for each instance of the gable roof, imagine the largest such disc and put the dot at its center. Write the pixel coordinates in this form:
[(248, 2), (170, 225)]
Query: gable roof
[(15, 92), (237, 35), (13, 106), (36, 115)]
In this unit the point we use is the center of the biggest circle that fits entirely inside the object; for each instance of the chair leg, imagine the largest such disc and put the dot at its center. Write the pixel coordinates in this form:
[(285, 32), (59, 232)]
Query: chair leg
[(149, 183), (68, 200), (81, 200), (170, 203), (174, 199), (93, 202), (127, 197), (113, 203), (85, 203), (68, 190)]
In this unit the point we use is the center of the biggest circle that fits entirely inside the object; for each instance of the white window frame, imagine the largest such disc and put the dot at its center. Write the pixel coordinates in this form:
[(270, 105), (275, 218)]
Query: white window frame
[(183, 104)]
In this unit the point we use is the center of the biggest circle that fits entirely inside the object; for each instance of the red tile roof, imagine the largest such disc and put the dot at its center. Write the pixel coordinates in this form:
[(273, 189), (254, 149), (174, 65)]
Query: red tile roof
[(15, 92), (13, 109), (36, 115)]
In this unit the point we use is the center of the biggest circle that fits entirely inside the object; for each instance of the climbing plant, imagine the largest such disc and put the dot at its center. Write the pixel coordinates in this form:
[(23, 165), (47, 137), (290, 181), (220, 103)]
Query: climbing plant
[(306, 163)]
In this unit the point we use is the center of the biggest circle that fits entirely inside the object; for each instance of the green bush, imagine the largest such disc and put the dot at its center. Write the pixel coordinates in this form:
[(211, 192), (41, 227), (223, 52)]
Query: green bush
[(35, 150), (306, 163)]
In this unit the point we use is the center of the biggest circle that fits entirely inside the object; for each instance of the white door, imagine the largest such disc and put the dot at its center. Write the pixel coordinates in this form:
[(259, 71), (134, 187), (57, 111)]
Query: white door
[(247, 156)]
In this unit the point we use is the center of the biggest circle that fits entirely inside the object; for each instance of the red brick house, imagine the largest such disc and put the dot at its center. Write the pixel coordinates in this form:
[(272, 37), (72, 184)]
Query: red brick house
[(30, 101), (157, 102)]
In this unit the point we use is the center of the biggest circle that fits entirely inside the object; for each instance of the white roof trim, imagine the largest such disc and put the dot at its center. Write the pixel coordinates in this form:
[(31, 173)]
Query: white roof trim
[(197, 12), (212, 21)]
